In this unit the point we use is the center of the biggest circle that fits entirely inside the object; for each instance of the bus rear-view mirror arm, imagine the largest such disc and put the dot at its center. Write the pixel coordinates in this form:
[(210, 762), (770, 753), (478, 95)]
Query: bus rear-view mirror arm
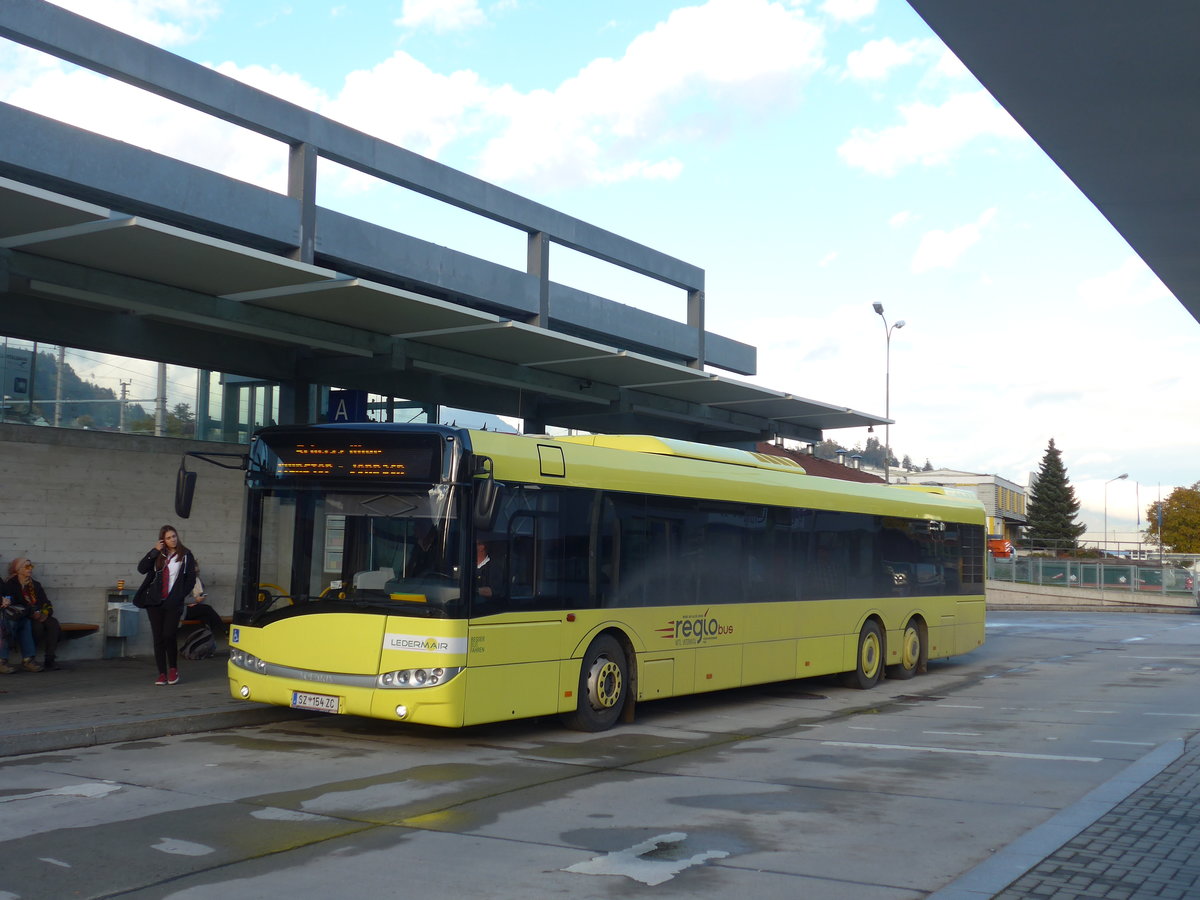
[(486, 489), (185, 481)]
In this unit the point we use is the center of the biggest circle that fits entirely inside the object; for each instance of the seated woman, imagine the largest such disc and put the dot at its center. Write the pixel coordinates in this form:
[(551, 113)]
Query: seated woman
[(15, 626), (38, 622), (197, 608)]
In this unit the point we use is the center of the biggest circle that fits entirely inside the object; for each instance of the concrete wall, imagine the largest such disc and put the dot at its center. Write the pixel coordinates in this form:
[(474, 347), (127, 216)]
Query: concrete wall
[(85, 506)]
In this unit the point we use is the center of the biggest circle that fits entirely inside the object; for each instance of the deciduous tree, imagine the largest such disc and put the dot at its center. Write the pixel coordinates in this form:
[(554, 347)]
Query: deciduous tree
[(1174, 523)]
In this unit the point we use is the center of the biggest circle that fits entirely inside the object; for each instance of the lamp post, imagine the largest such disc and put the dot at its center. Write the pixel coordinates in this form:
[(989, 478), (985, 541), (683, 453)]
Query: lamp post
[(1120, 477), (887, 390)]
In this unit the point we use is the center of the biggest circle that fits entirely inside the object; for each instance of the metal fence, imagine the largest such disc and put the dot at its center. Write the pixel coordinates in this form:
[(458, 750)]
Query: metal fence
[(1174, 576)]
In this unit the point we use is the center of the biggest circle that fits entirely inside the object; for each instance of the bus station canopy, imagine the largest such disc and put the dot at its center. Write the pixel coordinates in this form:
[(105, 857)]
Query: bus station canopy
[(1111, 92), (257, 313)]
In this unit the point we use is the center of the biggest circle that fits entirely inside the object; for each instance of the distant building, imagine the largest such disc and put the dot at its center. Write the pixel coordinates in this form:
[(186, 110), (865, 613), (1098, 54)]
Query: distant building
[(1003, 500)]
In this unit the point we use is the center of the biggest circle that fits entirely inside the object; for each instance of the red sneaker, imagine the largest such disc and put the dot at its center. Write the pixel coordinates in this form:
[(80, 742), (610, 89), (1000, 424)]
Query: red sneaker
[(161, 680), (173, 676)]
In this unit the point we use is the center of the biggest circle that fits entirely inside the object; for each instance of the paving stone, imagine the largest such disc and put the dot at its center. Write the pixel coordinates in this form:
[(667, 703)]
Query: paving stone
[(1147, 846)]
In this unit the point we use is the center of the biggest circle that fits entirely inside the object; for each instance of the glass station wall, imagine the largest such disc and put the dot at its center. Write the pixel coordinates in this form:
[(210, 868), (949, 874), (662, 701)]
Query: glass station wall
[(64, 387)]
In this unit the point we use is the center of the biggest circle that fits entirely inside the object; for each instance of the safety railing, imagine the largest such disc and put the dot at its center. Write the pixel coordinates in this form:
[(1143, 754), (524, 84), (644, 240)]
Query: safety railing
[(1094, 574)]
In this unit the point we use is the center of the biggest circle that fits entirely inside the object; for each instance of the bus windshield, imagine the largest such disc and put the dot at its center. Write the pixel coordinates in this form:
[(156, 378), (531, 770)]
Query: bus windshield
[(312, 550)]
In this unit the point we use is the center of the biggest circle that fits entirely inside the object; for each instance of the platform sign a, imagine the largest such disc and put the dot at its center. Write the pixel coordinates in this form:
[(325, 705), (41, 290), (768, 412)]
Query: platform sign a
[(347, 406)]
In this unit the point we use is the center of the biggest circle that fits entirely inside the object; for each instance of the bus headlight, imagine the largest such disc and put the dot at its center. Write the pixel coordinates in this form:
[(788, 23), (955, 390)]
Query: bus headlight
[(248, 661), (402, 679)]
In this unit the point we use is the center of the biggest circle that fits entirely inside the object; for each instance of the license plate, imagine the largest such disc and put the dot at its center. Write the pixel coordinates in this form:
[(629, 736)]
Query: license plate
[(318, 702)]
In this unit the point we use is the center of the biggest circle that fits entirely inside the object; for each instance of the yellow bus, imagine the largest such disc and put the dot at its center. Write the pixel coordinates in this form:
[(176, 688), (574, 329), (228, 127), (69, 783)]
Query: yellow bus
[(451, 577)]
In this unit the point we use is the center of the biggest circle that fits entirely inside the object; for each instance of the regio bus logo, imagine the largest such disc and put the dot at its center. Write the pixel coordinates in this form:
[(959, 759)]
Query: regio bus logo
[(694, 629)]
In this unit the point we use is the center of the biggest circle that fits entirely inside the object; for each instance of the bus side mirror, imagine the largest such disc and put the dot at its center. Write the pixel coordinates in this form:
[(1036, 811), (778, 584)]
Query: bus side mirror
[(185, 488), (486, 491)]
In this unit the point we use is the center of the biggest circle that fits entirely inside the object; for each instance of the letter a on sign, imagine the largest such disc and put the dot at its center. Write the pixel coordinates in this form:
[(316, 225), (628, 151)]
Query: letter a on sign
[(347, 406)]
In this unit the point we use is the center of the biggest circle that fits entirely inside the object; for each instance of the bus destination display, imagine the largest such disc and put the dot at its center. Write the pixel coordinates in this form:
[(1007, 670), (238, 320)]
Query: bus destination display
[(355, 459)]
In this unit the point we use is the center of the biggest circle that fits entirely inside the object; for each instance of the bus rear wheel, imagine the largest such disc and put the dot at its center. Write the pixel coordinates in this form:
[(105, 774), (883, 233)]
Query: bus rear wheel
[(603, 686), (912, 653), (869, 660)]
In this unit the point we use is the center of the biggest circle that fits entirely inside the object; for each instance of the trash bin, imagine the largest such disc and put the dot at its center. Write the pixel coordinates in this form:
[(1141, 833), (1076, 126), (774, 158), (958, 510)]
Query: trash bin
[(120, 622)]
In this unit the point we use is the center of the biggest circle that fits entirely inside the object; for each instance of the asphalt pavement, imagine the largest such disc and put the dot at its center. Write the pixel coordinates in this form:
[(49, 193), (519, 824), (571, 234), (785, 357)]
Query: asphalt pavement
[(1136, 836), (101, 701)]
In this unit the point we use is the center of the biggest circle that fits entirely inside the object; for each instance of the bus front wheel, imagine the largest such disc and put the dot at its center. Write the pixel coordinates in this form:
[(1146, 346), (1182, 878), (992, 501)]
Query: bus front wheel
[(869, 665), (603, 686)]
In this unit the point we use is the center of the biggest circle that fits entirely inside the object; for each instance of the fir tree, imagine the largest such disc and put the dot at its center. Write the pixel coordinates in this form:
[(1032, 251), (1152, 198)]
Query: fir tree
[(1052, 506)]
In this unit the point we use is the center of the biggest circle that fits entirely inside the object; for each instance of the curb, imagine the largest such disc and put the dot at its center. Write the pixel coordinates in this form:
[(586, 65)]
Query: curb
[(43, 741)]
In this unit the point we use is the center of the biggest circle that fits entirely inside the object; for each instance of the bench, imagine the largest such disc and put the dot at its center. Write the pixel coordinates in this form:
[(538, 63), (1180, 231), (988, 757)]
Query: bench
[(77, 629), (187, 623)]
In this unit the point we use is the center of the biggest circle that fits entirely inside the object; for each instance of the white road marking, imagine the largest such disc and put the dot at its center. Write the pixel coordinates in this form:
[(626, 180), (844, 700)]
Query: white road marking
[(1174, 715), (1127, 743), (648, 871), (957, 733), (1004, 753), (55, 862)]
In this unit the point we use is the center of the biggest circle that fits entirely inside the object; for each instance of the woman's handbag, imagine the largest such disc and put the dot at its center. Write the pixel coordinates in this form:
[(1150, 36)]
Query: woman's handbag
[(15, 612), (147, 595)]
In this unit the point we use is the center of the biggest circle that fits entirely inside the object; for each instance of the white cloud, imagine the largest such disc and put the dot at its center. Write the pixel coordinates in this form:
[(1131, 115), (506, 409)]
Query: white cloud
[(950, 67), (685, 80), (164, 23), (440, 15), (406, 103), (719, 60), (1129, 286), (929, 135), (902, 218), (942, 249), (875, 60), (849, 10)]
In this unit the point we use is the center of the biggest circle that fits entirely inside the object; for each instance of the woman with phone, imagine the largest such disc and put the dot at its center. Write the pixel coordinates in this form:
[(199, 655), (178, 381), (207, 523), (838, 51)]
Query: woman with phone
[(170, 571)]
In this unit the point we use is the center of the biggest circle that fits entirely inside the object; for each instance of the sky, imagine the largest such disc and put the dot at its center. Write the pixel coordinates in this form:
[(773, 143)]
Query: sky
[(812, 156)]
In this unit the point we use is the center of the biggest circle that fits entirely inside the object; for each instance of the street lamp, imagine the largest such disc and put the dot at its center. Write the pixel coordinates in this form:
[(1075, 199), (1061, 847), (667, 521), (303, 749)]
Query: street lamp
[(1120, 477), (887, 390)]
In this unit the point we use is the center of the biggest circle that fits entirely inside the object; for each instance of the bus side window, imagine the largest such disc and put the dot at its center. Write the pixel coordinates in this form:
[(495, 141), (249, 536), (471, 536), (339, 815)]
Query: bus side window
[(604, 576), (521, 558)]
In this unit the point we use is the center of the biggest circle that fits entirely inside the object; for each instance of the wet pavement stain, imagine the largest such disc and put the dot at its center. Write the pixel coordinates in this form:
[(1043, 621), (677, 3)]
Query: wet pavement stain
[(257, 744), (424, 796)]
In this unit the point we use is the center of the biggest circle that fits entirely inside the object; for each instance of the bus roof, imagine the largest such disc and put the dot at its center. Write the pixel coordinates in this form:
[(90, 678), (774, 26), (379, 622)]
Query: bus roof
[(645, 443), (651, 465)]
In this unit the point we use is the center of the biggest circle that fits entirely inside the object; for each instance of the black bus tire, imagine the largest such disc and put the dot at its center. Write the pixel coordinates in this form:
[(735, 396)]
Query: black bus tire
[(603, 686), (912, 652), (869, 659)]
